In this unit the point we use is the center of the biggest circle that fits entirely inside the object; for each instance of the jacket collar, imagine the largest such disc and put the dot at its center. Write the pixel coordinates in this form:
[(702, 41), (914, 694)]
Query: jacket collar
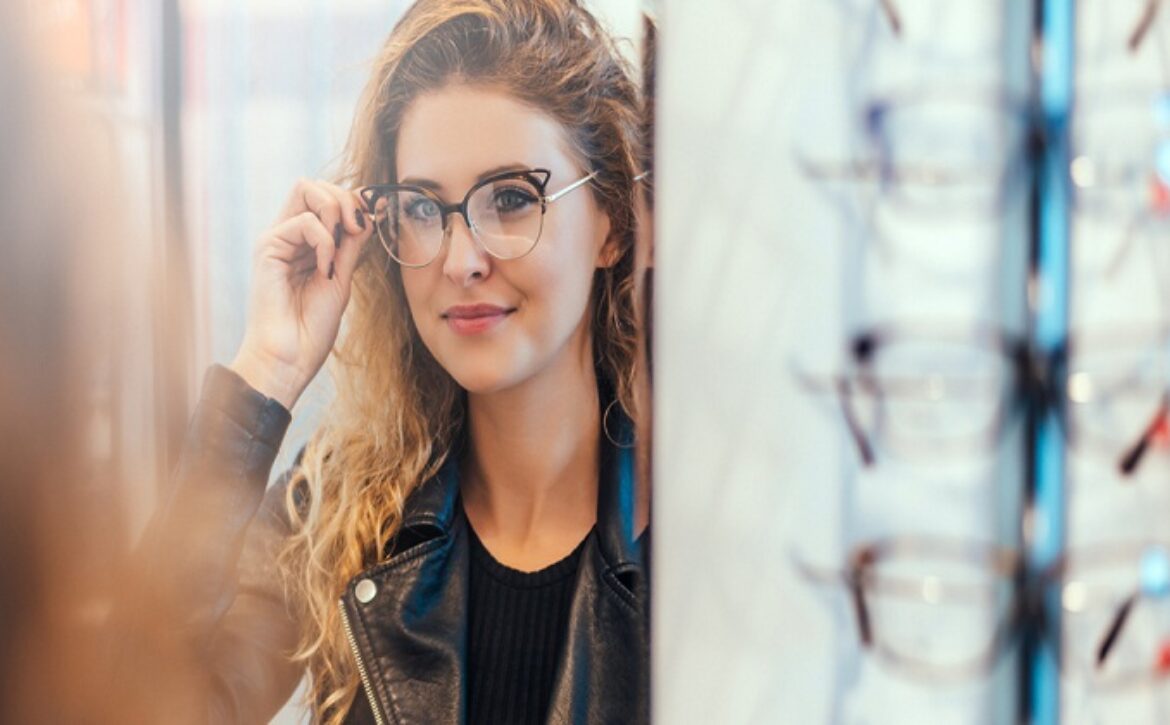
[(408, 612)]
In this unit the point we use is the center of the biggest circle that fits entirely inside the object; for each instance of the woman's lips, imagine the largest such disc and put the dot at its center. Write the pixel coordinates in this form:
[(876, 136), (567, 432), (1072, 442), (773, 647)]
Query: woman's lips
[(474, 319)]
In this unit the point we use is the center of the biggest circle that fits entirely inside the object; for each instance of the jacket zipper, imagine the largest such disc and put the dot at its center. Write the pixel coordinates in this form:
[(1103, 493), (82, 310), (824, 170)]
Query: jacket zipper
[(357, 656)]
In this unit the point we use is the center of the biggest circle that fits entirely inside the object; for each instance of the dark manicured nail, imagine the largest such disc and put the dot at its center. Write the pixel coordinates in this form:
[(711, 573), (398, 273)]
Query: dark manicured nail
[(337, 235), (331, 270), (361, 219)]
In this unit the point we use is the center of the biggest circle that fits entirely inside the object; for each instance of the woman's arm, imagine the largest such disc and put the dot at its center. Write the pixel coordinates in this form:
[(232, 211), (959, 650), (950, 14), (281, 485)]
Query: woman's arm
[(203, 627), (204, 611)]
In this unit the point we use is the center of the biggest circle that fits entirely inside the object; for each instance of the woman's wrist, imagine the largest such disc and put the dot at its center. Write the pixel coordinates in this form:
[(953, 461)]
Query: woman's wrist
[(280, 383)]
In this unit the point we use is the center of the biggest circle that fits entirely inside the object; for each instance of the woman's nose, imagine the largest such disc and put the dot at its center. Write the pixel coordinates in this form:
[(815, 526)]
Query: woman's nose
[(466, 259)]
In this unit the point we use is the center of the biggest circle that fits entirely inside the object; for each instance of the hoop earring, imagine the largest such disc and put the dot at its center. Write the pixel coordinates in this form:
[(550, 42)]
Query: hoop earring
[(605, 426)]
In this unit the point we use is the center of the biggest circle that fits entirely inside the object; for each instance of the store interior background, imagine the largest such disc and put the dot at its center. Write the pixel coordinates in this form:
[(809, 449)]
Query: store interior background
[(215, 108)]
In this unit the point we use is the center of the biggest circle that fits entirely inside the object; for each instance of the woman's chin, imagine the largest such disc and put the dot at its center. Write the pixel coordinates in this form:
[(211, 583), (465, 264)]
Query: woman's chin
[(483, 380)]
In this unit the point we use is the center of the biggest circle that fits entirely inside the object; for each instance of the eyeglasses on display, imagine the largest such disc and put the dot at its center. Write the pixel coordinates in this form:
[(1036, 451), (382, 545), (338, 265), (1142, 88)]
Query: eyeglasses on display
[(930, 394), (947, 609)]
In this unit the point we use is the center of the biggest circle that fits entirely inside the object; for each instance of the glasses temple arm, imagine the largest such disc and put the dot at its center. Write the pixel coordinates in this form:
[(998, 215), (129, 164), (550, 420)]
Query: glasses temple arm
[(838, 386), (1145, 22), (579, 182), (1114, 631), (864, 626), (892, 16), (859, 438), (1134, 454), (852, 581)]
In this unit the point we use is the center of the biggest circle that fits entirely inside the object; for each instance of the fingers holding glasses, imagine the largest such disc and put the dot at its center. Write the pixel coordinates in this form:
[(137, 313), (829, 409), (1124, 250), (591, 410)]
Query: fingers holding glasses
[(339, 210), (300, 289), (346, 205)]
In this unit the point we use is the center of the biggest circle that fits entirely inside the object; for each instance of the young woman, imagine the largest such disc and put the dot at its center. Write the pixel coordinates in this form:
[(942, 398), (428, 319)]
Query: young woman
[(460, 539)]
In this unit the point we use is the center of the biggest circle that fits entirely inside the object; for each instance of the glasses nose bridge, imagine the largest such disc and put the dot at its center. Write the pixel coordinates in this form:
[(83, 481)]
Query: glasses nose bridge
[(461, 209)]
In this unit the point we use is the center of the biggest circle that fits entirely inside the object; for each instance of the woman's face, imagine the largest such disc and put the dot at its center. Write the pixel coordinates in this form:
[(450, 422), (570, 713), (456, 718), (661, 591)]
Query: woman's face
[(491, 323)]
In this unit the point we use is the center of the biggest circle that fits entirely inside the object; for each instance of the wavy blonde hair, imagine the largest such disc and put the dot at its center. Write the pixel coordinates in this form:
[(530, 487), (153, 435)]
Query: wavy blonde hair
[(397, 412)]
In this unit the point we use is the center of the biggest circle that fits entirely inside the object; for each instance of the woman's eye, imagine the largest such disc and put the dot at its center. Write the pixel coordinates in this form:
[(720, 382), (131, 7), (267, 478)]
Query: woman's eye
[(510, 201), (422, 209)]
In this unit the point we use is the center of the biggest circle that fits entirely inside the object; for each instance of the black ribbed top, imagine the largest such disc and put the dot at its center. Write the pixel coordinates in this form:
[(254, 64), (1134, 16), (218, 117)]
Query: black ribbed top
[(517, 623)]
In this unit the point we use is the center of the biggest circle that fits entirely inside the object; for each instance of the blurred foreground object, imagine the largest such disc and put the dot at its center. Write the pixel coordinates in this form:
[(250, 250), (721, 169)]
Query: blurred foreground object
[(64, 523)]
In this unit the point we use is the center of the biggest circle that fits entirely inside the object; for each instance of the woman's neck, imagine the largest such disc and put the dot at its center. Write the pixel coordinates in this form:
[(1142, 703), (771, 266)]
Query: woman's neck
[(530, 479)]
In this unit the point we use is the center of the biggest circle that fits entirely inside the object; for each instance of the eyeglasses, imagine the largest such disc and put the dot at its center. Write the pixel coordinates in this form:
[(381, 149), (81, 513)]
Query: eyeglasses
[(943, 609), (932, 394), (1107, 26), (953, 162), (1121, 176), (935, 154), (931, 173), (504, 212), (1139, 29)]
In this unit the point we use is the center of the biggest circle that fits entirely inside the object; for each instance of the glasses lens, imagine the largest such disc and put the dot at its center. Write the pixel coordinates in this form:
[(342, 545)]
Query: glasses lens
[(947, 169), (410, 226), (506, 216), (925, 400), (945, 158), (937, 612)]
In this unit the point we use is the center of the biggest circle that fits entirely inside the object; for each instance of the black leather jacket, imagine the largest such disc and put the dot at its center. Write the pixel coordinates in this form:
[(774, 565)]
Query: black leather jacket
[(218, 534)]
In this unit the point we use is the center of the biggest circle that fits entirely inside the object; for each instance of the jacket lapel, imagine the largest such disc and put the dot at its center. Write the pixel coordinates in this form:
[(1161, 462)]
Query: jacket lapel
[(412, 632), (604, 673)]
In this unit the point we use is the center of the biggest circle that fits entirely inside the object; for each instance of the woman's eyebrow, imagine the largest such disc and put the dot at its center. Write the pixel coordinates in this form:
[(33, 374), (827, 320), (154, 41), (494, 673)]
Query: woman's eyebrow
[(424, 183), (437, 187), (502, 170)]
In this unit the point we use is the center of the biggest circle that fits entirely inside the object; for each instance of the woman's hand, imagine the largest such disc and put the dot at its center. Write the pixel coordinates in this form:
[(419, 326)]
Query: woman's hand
[(302, 269)]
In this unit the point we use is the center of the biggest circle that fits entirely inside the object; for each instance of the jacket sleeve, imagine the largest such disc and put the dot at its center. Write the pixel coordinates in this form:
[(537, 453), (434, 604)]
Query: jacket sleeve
[(204, 619)]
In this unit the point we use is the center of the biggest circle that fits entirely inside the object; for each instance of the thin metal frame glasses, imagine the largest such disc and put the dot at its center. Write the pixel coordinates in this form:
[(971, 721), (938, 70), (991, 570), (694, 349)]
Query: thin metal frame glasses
[(930, 393), (504, 212), (1141, 28), (947, 609)]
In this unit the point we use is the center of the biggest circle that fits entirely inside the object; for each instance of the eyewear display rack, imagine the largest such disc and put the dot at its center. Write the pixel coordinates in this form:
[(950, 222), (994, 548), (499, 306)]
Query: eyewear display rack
[(1045, 503), (1034, 279)]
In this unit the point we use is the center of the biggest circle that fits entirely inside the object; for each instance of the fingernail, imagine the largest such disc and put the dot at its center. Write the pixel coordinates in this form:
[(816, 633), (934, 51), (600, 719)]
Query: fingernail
[(361, 219), (337, 235), (331, 270)]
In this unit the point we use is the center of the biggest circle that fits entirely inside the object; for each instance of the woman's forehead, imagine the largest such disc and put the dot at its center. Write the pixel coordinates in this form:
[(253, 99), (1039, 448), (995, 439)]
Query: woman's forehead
[(453, 135)]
